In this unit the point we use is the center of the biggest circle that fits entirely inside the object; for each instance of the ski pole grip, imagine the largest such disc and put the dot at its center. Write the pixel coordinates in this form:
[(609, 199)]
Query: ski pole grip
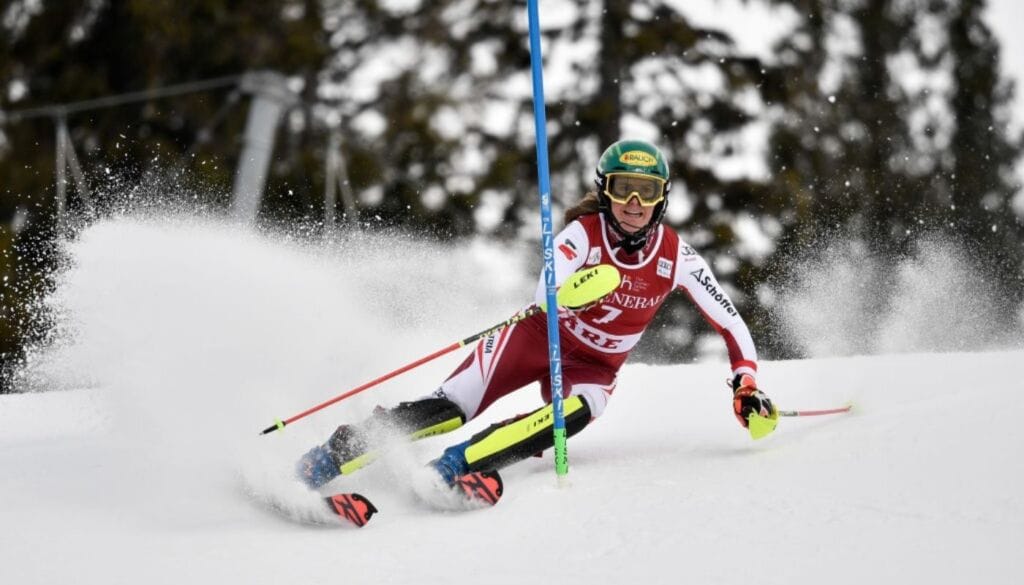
[(276, 426)]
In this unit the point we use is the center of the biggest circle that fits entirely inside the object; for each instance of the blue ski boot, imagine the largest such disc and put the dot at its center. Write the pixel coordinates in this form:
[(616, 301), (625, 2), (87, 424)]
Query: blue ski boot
[(323, 462), (452, 463), (481, 488), (317, 467)]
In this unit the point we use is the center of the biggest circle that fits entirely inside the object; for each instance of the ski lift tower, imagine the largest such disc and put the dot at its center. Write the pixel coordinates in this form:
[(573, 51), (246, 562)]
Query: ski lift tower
[(271, 98)]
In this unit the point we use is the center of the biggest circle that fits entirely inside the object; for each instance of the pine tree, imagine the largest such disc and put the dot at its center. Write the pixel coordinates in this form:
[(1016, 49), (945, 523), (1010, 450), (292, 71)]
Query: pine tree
[(875, 148), (980, 175), (840, 142)]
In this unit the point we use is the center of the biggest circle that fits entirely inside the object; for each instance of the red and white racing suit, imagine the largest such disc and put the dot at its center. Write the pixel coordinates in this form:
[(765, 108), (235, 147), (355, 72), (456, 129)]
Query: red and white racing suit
[(596, 342)]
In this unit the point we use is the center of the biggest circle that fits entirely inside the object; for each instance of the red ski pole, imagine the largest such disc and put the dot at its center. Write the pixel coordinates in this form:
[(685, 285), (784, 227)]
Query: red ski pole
[(815, 412), (761, 426), (281, 423)]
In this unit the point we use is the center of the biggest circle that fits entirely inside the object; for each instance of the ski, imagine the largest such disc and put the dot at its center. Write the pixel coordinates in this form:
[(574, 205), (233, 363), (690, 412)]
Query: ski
[(479, 488), (352, 508), (483, 487)]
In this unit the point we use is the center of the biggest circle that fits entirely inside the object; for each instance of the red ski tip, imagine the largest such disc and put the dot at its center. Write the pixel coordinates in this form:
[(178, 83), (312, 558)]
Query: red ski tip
[(485, 487), (352, 508)]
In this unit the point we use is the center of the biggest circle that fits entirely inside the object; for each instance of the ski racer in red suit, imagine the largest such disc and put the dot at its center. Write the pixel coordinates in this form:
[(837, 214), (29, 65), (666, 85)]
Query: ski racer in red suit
[(619, 224)]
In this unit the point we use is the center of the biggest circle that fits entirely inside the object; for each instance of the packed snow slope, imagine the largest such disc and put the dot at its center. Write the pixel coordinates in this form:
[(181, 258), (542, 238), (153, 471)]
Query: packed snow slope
[(177, 341)]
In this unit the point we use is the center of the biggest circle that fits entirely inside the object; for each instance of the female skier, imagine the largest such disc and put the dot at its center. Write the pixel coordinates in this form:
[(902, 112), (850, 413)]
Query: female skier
[(618, 224)]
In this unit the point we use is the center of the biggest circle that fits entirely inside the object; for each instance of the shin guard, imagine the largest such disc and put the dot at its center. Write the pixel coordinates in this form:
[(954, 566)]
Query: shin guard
[(351, 445), (505, 443)]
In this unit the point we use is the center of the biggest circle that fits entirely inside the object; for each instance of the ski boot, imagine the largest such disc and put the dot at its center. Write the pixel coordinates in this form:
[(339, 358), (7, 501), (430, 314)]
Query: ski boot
[(452, 463), (479, 487), (324, 462), (317, 467)]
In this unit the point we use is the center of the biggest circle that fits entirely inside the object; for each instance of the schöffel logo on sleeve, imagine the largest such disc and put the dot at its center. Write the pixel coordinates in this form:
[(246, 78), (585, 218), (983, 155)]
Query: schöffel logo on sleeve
[(710, 285)]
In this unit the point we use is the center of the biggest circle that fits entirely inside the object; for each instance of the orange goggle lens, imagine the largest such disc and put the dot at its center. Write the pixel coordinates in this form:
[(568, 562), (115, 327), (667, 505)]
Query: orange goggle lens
[(622, 187)]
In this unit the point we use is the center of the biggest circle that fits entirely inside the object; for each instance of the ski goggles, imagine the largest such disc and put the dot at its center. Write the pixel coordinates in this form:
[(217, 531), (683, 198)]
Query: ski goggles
[(621, 187)]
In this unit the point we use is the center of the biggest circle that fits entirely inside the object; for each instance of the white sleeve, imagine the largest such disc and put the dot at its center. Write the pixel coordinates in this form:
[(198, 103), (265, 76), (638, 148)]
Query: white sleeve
[(570, 248), (694, 276)]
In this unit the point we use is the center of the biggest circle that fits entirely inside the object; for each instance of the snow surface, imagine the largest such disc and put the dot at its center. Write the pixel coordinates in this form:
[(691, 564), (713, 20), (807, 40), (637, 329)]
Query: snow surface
[(188, 339)]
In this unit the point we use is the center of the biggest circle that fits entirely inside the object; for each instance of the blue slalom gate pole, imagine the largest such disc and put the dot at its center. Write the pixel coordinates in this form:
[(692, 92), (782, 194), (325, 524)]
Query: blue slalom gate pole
[(547, 238)]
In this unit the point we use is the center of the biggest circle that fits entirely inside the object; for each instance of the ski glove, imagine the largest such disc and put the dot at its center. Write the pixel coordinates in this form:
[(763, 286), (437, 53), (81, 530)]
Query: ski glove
[(747, 400)]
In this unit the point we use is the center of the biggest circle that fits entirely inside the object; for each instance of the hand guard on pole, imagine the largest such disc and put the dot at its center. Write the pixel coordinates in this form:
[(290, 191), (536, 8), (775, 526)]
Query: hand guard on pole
[(565, 311), (753, 409)]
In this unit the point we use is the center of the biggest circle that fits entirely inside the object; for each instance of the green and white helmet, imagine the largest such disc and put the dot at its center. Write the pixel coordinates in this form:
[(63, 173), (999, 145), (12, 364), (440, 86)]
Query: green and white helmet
[(627, 169)]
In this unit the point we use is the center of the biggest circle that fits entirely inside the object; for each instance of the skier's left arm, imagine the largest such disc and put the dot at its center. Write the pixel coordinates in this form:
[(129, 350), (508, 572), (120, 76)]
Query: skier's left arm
[(694, 276)]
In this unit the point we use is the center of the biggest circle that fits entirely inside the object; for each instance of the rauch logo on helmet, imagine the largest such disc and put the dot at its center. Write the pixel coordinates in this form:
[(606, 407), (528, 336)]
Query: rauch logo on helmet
[(638, 158)]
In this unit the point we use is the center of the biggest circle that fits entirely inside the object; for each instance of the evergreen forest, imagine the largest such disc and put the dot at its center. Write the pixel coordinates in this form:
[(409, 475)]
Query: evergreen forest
[(879, 123)]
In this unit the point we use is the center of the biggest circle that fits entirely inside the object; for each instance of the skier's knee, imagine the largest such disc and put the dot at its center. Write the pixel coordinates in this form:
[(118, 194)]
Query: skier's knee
[(576, 420), (596, 396)]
